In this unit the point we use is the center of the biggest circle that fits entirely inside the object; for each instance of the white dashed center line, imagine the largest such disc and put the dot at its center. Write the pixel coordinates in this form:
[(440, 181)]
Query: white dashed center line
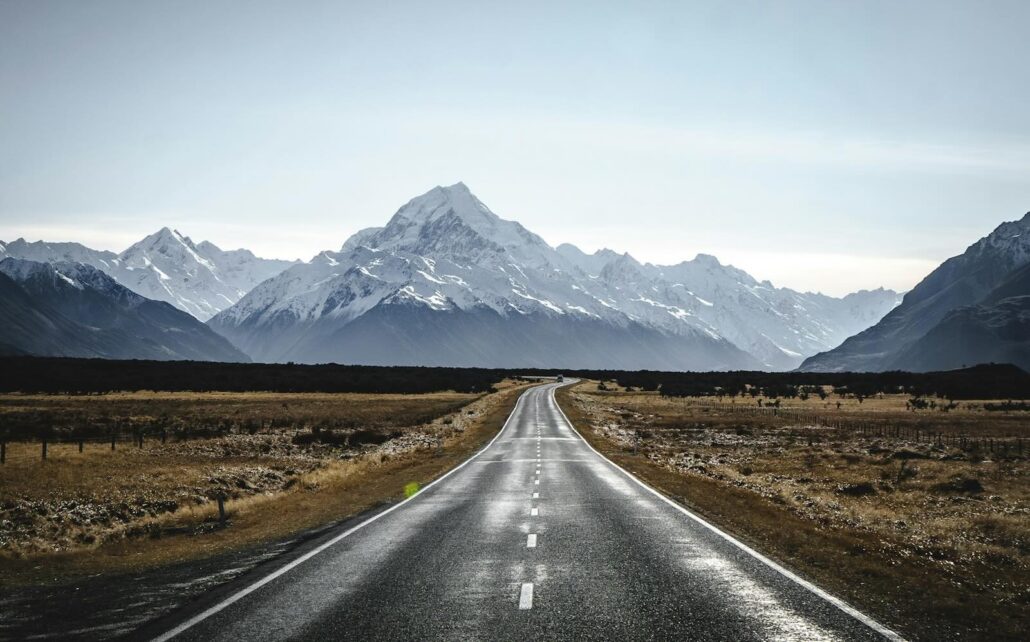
[(536, 481), (526, 598), (536, 495), (531, 540), (533, 512)]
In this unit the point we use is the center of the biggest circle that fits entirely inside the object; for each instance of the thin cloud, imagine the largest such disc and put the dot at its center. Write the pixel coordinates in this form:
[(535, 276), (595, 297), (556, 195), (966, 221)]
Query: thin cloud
[(727, 142)]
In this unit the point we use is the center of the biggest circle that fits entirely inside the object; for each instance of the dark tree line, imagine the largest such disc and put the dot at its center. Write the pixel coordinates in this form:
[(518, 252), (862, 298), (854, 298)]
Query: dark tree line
[(54, 375), (84, 376)]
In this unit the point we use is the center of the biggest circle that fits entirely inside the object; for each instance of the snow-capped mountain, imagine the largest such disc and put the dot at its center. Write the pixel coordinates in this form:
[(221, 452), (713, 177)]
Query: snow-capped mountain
[(895, 342), (75, 309), (166, 266), (58, 253), (448, 282), (776, 325)]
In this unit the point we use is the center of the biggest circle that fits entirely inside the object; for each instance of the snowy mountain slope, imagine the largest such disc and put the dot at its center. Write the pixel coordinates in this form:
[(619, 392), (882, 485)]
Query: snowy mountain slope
[(445, 255), (75, 309), (167, 266), (58, 252), (779, 326), (961, 281)]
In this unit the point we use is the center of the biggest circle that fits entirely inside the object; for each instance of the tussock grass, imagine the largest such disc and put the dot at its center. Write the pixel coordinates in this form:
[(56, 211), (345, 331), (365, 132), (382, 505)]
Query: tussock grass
[(931, 535), (103, 511)]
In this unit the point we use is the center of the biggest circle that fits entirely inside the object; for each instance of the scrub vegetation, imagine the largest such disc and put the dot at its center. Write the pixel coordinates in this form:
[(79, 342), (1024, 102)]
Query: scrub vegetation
[(916, 509), (280, 463)]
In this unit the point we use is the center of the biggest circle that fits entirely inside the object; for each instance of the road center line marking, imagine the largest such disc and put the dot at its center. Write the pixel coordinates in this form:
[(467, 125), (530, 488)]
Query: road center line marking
[(536, 495), (526, 598), (536, 481), (533, 512), (531, 540)]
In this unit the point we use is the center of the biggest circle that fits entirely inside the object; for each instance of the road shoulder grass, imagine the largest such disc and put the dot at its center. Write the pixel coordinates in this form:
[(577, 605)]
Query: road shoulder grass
[(327, 493)]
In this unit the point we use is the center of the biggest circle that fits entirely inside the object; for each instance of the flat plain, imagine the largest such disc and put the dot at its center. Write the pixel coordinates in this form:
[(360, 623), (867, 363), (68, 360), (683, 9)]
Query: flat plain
[(920, 515), (281, 463)]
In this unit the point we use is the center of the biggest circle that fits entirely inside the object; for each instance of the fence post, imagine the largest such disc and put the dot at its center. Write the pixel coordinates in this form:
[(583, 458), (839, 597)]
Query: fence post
[(44, 449), (80, 445), (112, 441), (221, 508), (3, 452)]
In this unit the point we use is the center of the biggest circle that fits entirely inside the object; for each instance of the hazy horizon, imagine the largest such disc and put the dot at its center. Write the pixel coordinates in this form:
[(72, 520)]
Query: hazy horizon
[(792, 140)]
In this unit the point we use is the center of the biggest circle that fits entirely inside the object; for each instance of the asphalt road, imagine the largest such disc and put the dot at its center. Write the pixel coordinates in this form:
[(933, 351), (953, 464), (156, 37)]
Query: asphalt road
[(536, 537)]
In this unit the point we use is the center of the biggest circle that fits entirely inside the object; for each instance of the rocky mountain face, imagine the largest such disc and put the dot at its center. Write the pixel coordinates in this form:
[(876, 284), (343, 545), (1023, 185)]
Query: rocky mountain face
[(960, 282), (75, 309), (166, 266), (448, 282), (996, 330), (28, 327)]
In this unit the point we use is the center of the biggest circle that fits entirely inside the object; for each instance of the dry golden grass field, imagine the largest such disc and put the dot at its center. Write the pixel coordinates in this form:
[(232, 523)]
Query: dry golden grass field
[(920, 516), (281, 462)]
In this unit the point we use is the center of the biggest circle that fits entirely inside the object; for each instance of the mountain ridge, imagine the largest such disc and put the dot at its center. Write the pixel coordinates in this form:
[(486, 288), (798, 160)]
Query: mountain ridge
[(447, 251), (76, 309), (960, 281), (201, 279)]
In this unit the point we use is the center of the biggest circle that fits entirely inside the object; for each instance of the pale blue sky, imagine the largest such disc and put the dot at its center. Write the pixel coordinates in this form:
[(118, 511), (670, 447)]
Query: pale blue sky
[(824, 145)]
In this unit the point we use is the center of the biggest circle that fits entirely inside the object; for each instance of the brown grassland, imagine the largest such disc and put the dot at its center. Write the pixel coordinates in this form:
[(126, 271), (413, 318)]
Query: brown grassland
[(920, 517), (282, 463)]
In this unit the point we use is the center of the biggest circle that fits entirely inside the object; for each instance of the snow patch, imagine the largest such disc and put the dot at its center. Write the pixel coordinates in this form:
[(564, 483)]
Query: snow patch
[(430, 277), (543, 302), (581, 310), (436, 301)]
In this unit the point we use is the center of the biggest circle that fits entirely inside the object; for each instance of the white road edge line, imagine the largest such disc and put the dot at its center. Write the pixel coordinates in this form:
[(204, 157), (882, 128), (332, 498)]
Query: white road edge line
[(836, 601), (235, 597), (526, 597), (531, 540)]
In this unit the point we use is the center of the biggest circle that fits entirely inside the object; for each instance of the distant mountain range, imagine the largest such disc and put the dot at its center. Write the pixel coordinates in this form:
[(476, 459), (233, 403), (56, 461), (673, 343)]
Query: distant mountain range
[(166, 266), (448, 282), (974, 308), (74, 309)]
